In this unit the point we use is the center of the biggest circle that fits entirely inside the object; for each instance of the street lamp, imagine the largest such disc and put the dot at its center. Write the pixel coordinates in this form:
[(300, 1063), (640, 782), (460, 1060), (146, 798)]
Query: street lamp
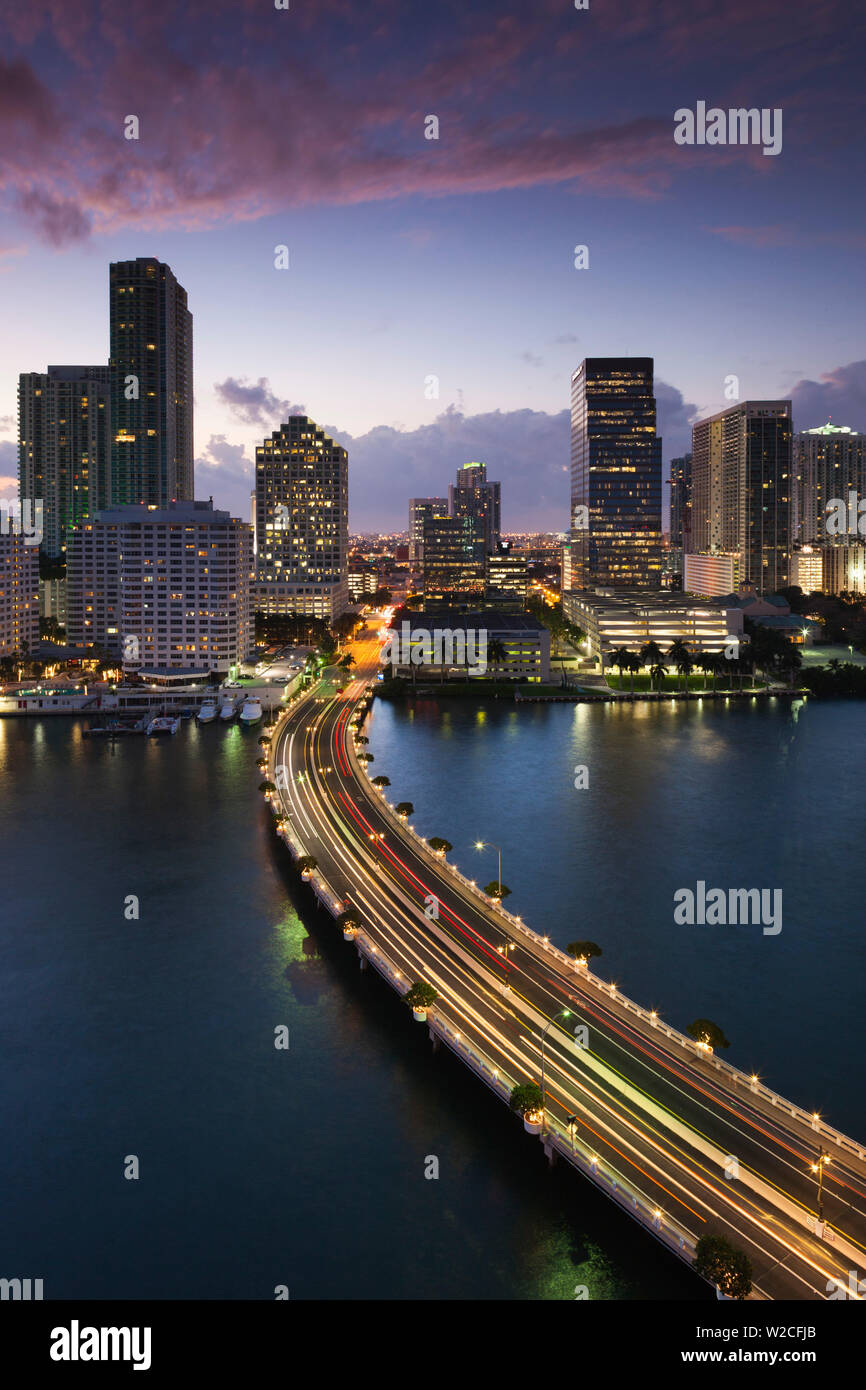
[(480, 844), (563, 1013), (818, 1167)]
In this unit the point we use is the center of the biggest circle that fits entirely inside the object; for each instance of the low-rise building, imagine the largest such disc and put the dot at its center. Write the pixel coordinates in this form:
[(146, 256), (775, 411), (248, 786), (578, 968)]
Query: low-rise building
[(630, 618), (453, 645), (710, 576)]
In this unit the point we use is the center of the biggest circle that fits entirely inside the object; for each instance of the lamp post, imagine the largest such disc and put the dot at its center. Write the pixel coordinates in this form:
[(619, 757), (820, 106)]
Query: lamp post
[(818, 1167), (481, 844), (563, 1013)]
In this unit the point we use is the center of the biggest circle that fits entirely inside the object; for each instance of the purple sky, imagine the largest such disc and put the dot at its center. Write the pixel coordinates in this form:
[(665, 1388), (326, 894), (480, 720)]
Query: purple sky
[(412, 258)]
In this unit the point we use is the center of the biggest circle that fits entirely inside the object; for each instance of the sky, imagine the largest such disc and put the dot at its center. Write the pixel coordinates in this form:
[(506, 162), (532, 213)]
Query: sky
[(431, 313)]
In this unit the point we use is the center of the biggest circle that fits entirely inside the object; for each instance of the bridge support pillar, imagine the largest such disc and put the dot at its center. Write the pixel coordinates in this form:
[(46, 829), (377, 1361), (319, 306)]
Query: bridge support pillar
[(435, 1040), (550, 1151), (362, 960)]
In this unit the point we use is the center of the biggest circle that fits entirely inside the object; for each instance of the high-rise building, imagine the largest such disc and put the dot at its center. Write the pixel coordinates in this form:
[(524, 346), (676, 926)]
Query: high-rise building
[(829, 462), (616, 475), (302, 522), (454, 561), (19, 594), (507, 578), (741, 489), (151, 385), (423, 509), (474, 496), (64, 447), (162, 587), (681, 510)]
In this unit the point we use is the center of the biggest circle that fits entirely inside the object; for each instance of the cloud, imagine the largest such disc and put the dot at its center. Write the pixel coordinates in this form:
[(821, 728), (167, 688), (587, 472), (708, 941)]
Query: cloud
[(531, 358), (840, 393), (9, 459), (223, 471), (7, 422), (675, 418), (567, 338), (57, 220), (255, 404)]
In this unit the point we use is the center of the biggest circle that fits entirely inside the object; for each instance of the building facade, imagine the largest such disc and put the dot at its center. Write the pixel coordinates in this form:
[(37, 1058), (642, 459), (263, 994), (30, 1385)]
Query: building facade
[(19, 595), (455, 561), (151, 385), (711, 575), (619, 618), (302, 521), (457, 645), (742, 467), (421, 510), (616, 475), (829, 462), (476, 497), (64, 447), (507, 579), (162, 587), (681, 511)]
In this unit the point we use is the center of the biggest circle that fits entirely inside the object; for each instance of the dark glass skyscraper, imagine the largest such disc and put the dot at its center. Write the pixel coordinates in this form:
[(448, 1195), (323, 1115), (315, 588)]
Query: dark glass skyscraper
[(616, 475), (474, 496), (151, 384), (681, 511)]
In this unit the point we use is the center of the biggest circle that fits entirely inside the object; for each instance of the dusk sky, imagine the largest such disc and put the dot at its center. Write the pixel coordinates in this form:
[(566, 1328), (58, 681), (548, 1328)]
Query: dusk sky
[(411, 257)]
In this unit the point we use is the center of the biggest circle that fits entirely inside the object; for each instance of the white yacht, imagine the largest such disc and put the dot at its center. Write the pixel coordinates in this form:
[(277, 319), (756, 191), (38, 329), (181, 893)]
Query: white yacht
[(164, 724), (208, 710), (227, 707), (251, 710)]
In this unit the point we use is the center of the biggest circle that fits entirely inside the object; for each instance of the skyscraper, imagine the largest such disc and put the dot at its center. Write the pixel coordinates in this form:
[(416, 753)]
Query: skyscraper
[(681, 510), (19, 594), (454, 561), (64, 447), (741, 489), (829, 462), (423, 509), (151, 384), (302, 522), (474, 496), (616, 475), (165, 587)]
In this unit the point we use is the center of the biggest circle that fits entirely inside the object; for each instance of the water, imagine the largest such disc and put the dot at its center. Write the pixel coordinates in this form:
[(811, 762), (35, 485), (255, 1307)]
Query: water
[(154, 1037)]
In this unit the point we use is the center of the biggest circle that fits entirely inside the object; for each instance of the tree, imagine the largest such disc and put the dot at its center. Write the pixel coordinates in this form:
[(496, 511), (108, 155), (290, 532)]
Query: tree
[(679, 654), (527, 1099), (658, 671), (307, 863), (620, 658), (381, 781), (497, 890), (650, 653), (703, 1030), (421, 995), (267, 786), (634, 665), (583, 950), (348, 919), (347, 661), (496, 652), (405, 808), (381, 597), (730, 1269), (439, 845)]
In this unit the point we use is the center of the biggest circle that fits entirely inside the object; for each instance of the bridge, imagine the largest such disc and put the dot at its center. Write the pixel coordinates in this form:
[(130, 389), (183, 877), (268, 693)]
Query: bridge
[(678, 1138)]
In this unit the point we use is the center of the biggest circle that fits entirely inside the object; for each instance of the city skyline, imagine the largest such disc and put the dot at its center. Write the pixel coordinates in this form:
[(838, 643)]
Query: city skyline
[(453, 258)]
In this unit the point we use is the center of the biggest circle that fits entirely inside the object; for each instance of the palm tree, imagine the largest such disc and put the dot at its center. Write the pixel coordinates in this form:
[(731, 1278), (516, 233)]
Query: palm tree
[(658, 671), (496, 652), (620, 658), (634, 665), (681, 657)]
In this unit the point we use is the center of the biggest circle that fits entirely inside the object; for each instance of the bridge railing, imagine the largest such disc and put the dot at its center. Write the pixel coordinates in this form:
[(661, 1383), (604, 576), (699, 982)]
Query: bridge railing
[(752, 1084)]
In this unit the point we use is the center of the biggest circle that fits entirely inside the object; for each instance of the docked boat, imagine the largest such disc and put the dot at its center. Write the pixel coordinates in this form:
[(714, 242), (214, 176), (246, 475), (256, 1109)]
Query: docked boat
[(208, 711), (251, 710), (227, 708), (164, 724)]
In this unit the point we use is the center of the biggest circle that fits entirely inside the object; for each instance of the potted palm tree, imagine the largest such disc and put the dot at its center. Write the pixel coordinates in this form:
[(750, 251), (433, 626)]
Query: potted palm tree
[(528, 1101), (307, 865), (404, 809), (420, 997), (440, 846)]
